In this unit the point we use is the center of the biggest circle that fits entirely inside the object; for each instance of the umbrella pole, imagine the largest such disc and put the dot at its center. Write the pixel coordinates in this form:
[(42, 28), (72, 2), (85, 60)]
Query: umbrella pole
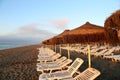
[(68, 51), (55, 47), (60, 50), (89, 57), (52, 47)]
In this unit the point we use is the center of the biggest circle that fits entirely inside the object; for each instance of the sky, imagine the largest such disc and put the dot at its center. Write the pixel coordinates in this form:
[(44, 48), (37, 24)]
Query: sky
[(39, 20)]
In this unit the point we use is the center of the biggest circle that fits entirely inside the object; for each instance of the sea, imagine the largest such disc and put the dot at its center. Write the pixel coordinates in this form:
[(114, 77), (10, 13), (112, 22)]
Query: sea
[(8, 45)]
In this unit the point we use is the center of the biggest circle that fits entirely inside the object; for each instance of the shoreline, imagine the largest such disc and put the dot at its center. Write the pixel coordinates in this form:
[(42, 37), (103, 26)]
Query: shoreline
[(2, 48)]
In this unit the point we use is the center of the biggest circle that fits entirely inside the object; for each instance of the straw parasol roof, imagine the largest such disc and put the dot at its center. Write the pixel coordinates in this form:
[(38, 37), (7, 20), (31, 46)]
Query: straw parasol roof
[(87, 28), (59, 38), (112, 27), (113, 20), (49, 41), (86, 33), (56, 39)]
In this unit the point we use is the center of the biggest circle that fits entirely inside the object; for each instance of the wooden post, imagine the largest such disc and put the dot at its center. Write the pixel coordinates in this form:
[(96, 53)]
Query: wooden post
[(60, 50), (68, 51), (89, 57), (55, 47)]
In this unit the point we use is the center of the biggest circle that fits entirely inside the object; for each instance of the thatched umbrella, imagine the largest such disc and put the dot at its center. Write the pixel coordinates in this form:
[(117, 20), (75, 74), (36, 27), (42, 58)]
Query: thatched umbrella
[(56, 40), (48, 43), (59, 39), (87, 33), (112, 27)]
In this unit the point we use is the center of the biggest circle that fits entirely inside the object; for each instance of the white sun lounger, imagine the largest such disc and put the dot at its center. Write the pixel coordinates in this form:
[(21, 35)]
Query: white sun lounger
[(64, 73), (111, 56), (50, 58), (84, 50), (46, 54), (45, 50), (88, 74), (57, 61), (95, 50), (54, 66), (99, 53), (116, 59), (109, 52)]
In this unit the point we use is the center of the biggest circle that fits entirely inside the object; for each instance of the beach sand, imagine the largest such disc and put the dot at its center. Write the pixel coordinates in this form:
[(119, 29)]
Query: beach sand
[(20, 64)]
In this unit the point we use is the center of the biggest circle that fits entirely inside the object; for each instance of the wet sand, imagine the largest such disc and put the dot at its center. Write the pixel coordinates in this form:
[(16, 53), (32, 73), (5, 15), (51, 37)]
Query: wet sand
[(20, 64)]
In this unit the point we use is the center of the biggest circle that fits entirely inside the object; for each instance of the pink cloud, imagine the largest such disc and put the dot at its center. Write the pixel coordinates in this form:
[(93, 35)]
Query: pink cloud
[(30, 31), (59, 23), (33, 32)]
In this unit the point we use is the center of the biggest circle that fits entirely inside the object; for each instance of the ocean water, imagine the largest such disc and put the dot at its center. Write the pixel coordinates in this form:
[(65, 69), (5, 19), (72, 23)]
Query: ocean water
[(7, 45)]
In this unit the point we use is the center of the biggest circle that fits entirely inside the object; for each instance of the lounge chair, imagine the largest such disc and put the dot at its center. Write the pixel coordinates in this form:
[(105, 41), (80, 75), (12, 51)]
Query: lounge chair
[(49, 58), (100, 53), (46, 54), (45, 51), (54, 66), (64, 73), (116, 59), (88, 74), (111, 56), (109, 52), (57, 61), (84, 50)]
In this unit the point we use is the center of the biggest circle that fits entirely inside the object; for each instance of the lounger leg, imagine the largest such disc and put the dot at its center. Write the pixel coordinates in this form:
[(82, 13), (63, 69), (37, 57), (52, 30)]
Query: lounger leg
[(50, 71), (42, 71)]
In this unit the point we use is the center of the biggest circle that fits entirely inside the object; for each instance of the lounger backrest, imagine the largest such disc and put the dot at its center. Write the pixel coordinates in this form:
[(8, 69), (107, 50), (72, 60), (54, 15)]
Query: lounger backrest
[(112, 50), (60, 59), (75, 65), (66, 62), (56, 56), (88, 74)]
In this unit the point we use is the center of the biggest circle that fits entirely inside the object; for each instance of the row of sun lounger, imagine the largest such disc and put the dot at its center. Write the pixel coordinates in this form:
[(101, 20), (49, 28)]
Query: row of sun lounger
[(114, 58), (98, 51), (58, 64)]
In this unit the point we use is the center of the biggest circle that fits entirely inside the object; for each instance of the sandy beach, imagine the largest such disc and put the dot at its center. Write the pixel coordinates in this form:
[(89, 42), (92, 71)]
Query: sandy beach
[(20, 64)]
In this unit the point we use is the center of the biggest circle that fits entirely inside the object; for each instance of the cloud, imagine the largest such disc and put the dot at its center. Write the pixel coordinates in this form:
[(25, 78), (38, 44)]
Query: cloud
[(58, 23), (29, 32), (37, 31), (61, 23), (33, 32)]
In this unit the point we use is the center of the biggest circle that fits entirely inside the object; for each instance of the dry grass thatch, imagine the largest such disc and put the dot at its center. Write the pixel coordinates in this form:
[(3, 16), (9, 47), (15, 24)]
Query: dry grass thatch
[(57, 39), (87, 28), (86, 33), (48, 41), (83, 34), (112, 25), (113, 21)]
